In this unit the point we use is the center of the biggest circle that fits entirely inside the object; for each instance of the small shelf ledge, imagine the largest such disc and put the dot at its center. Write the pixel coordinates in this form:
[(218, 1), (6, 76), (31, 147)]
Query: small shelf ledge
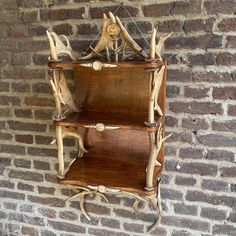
[(123, 171), (115, 120)]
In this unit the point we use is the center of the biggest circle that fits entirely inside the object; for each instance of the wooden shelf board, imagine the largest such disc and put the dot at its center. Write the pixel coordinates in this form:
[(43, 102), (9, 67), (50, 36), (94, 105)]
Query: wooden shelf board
[(125, 173), (126, 64), (123, 121)]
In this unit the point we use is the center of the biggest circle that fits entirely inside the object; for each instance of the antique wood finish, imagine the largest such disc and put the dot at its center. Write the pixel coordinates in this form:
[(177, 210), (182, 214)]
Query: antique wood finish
[(120, 166), (121, 121), (117, 115)]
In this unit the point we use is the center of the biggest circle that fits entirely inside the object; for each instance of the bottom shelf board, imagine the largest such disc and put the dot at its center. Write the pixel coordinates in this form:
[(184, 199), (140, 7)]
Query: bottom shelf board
[(125, 173)]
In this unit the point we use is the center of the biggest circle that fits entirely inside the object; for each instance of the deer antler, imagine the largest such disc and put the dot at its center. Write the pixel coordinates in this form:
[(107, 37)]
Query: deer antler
[(127, 40), (57, 47), (156, 49)]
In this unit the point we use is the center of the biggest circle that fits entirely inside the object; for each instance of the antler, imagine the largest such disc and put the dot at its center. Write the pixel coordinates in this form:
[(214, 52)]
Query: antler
[(156, 49), (127, 40), (57, 47), (105, 39)]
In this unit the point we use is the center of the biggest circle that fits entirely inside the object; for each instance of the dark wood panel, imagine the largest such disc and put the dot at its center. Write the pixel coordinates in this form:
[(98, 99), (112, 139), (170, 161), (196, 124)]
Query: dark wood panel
[(124, 90)]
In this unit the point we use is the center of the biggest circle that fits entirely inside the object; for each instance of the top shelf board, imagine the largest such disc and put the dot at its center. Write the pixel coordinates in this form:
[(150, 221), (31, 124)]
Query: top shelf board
[(127, 64)]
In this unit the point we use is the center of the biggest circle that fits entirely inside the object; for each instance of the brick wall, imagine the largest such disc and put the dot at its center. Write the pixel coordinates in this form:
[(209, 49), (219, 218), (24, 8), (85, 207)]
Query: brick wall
[(198, 185)]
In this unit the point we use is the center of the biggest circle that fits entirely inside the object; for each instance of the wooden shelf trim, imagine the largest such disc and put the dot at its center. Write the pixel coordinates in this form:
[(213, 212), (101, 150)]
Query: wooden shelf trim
[(121, 121), (126, 64), (126, 174)]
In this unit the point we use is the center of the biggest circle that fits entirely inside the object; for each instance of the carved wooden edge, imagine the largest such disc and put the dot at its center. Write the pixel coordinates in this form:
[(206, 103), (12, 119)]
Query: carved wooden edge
[(101, 190), (62, 132)]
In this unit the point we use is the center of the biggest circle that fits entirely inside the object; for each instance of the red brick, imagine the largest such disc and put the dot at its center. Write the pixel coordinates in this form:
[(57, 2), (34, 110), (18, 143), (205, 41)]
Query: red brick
[(232, 217), (111, 223), (228, 125), (191, 153), (183, 209), (188, 181), (24, 138), (41, 59), (18, 125), (26, 175), (41, 88), (224, 229), (157, 10), (171, 194), (204, 42), (220, 155), (196, 196), (97, 12), (186, 223), (199, 25), (214, 185), (183, 7), (213, 214), (192, 168), (51, 201), (25, 230), (220, 6), (63, 226), (226, 59), (6, 184), (26, 219), (216, 140), (30, 16), (4, 148), (231, 41), (68, 215), (11, 195), (65, 29), (47, 212), (172, 91), (25, 187), (41, 165), (170, 26), (232, 110), (43, 114), (37, 30), (105, 232), (42, 152), (23, 113), (196, 107), (224, 93), (36, 101), (134, 227), (62, 14), (194, 92), (195, 123), (227, 25), (10, 205), (228, 171), (22, 163), (46, 190), (9, 100), (93, 208)]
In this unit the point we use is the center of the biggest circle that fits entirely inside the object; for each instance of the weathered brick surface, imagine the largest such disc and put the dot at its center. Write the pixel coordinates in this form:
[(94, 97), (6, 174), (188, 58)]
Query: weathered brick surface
[(197, 188)]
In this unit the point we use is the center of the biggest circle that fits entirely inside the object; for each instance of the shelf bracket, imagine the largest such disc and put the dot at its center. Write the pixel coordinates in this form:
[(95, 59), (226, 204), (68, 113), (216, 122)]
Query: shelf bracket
[(62, 132), (156, 140)]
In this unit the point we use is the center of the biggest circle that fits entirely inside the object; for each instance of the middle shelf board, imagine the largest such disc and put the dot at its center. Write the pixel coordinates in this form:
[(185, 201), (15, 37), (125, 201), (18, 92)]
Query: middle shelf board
[(115, 169), (121, 121)]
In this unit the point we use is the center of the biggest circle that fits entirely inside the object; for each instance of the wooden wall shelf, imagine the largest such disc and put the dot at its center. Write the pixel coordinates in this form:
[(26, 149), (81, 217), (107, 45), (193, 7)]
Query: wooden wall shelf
[(117, 116)]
